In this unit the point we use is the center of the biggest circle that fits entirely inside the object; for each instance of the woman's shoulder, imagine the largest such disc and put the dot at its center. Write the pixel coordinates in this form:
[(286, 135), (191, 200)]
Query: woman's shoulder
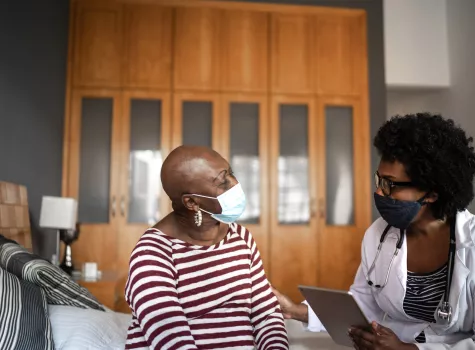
[(243, 233), (154, 235), (154, 240)]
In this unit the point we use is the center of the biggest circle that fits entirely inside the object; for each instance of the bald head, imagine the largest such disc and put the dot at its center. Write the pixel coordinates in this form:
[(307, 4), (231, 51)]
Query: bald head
[(191, 169)]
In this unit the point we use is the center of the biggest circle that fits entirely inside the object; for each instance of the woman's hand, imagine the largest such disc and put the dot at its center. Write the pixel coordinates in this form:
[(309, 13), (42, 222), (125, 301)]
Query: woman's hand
[(291, 310), (378, 338)]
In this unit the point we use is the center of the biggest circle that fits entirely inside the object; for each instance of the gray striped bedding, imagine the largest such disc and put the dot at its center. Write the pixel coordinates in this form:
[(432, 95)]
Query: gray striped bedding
[(28, 284), (57, 285), (24, 322)]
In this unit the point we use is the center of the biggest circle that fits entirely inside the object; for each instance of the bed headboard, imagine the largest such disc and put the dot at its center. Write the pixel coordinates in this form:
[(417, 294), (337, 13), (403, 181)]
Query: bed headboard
[(14, 216)]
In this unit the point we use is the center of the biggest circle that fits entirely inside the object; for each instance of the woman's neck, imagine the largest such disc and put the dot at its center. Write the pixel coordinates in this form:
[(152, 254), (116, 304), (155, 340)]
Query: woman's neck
[(427, 225), (209, 233)]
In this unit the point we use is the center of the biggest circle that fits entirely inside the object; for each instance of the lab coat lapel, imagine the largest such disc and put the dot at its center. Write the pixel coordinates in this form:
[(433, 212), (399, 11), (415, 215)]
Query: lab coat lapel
[(459, 279), (394, 292)]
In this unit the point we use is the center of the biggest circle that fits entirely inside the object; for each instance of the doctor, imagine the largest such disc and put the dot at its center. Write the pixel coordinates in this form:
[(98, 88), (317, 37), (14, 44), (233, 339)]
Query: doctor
[(416, 280)]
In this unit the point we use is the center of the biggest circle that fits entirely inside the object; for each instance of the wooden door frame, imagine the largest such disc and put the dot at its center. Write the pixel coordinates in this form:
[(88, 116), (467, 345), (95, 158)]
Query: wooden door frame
[(177, 120), (261, 230), (310, 229), (165, 136), (348, 236), (72, 144), (72, 139)]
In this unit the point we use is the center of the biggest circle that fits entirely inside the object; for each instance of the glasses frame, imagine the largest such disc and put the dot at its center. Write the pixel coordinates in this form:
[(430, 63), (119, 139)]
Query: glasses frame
[(378, 180)]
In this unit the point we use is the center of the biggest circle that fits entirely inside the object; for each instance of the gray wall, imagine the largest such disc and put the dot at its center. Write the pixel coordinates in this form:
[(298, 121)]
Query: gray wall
[(33, 51), (458, 101)]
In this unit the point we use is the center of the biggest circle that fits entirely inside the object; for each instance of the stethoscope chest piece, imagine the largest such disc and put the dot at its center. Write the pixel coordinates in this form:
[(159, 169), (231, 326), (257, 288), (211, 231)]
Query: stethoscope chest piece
[(444, 313)]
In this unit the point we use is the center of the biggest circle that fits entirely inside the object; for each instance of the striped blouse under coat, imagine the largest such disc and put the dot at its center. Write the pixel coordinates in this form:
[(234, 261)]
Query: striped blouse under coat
[(184, 296), (423, 295)]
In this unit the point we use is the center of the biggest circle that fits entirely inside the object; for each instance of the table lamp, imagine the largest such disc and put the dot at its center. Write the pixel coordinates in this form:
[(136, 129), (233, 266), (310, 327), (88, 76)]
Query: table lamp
[(60, 214)]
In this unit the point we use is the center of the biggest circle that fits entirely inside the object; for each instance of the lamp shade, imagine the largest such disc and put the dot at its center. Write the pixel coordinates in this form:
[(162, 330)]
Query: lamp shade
[(58, 213)]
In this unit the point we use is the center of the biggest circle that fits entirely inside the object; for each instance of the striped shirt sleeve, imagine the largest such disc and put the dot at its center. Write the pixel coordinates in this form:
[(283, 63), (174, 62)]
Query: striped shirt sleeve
[(151, 294), (266, 316)]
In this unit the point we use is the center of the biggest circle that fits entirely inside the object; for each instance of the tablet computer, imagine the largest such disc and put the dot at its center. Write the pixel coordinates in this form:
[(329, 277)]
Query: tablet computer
[(337, 311)]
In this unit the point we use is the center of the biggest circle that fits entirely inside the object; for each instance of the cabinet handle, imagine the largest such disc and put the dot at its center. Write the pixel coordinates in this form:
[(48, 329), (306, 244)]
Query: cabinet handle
[(113, 206), (122, 206), (313, 207), (321, 208)]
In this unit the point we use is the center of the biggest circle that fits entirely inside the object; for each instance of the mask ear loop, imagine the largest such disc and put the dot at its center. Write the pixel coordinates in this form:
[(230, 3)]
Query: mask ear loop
[(423, 198), (200, 196)]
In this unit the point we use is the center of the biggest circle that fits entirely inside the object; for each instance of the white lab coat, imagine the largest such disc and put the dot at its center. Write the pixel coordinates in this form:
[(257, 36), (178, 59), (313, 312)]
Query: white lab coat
[(386, 306)]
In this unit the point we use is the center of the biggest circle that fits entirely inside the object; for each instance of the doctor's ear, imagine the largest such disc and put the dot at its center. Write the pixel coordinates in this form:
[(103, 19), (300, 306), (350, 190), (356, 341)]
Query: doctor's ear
[(431, 197)]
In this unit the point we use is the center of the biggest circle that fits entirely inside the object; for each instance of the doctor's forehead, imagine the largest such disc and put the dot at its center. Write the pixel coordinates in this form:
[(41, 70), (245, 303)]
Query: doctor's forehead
[(392, 170)]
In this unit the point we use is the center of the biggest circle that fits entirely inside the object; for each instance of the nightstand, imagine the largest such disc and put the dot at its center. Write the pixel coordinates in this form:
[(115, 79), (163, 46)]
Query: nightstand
[(107, 289)]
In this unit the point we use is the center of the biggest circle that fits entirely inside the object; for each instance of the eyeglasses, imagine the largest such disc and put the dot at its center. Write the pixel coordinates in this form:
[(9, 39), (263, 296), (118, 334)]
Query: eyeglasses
[(387, 185)]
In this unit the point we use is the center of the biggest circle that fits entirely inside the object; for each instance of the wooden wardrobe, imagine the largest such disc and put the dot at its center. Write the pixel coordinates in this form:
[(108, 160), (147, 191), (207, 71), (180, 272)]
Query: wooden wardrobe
[(280, 91)]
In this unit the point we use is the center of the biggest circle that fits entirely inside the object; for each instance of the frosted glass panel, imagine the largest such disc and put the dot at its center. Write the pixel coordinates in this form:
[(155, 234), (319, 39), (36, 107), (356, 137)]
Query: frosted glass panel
[(197, 123), (145, 161), (95, 160), (294, 199), (244, 155), (339, 166)]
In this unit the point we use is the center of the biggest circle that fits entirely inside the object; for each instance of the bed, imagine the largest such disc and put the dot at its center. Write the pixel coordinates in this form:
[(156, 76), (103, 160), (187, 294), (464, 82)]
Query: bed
[(42, 308), (77, 324)]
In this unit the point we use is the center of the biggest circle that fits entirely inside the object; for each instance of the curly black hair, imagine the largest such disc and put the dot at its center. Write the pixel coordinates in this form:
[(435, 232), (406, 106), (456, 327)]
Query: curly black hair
[(437, 156)]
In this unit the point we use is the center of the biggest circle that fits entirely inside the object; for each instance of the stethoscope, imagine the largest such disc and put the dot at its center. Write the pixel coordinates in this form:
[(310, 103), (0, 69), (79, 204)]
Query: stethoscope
[(444, 310)]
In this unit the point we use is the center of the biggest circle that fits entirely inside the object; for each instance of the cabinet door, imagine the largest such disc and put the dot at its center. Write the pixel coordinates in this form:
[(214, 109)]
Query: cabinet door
[(148, 44), (292, 57), (293, 257), (244, 51), (93, 174), (196, 120), (196, 54), (340, 48), (97, 50), (343, 168), (246, 135), (145, 143)]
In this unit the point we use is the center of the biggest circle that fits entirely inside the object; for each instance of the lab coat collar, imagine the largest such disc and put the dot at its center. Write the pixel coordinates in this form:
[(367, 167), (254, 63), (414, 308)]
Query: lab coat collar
[(464, 227)]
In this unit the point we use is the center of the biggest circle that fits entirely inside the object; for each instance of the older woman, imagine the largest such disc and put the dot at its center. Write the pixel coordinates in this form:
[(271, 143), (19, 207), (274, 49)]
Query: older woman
[(416, 280), (196, 280)]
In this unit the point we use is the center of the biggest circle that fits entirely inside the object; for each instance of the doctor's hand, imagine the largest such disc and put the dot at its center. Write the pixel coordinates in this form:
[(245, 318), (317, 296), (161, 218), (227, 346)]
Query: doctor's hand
[(291, 310), (378, 338)]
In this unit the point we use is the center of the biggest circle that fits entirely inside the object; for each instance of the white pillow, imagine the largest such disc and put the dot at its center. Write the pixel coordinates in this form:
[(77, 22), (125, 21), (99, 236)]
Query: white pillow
[(81, 329)]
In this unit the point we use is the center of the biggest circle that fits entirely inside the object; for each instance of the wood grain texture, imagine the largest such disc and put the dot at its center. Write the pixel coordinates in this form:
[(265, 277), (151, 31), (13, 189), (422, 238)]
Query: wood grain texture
[(244, 51), (220, 51), (148, 46), (339, 51), (96, 242), (294, 252), (128, 233), (98, 44), (196, 55), (292, 57), (14, 215), (260, 231)]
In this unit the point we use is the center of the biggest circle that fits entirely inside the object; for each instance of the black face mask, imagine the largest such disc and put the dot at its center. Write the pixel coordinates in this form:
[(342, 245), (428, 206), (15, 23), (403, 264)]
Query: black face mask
[(398, 213)]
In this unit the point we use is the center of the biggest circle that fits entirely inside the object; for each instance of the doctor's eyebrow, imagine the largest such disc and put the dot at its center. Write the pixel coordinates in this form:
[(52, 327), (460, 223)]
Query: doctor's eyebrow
[(390, 177)]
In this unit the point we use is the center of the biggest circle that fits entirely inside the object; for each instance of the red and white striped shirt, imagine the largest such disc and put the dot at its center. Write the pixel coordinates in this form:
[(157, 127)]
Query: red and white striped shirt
[(184, 296)]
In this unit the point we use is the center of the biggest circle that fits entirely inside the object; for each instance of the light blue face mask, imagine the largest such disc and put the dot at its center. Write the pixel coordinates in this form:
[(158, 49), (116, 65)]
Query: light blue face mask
[(233, 203)]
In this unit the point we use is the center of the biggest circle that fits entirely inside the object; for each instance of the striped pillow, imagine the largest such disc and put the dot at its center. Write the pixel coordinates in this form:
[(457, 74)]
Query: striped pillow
[(58, 286), (24, 321)]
